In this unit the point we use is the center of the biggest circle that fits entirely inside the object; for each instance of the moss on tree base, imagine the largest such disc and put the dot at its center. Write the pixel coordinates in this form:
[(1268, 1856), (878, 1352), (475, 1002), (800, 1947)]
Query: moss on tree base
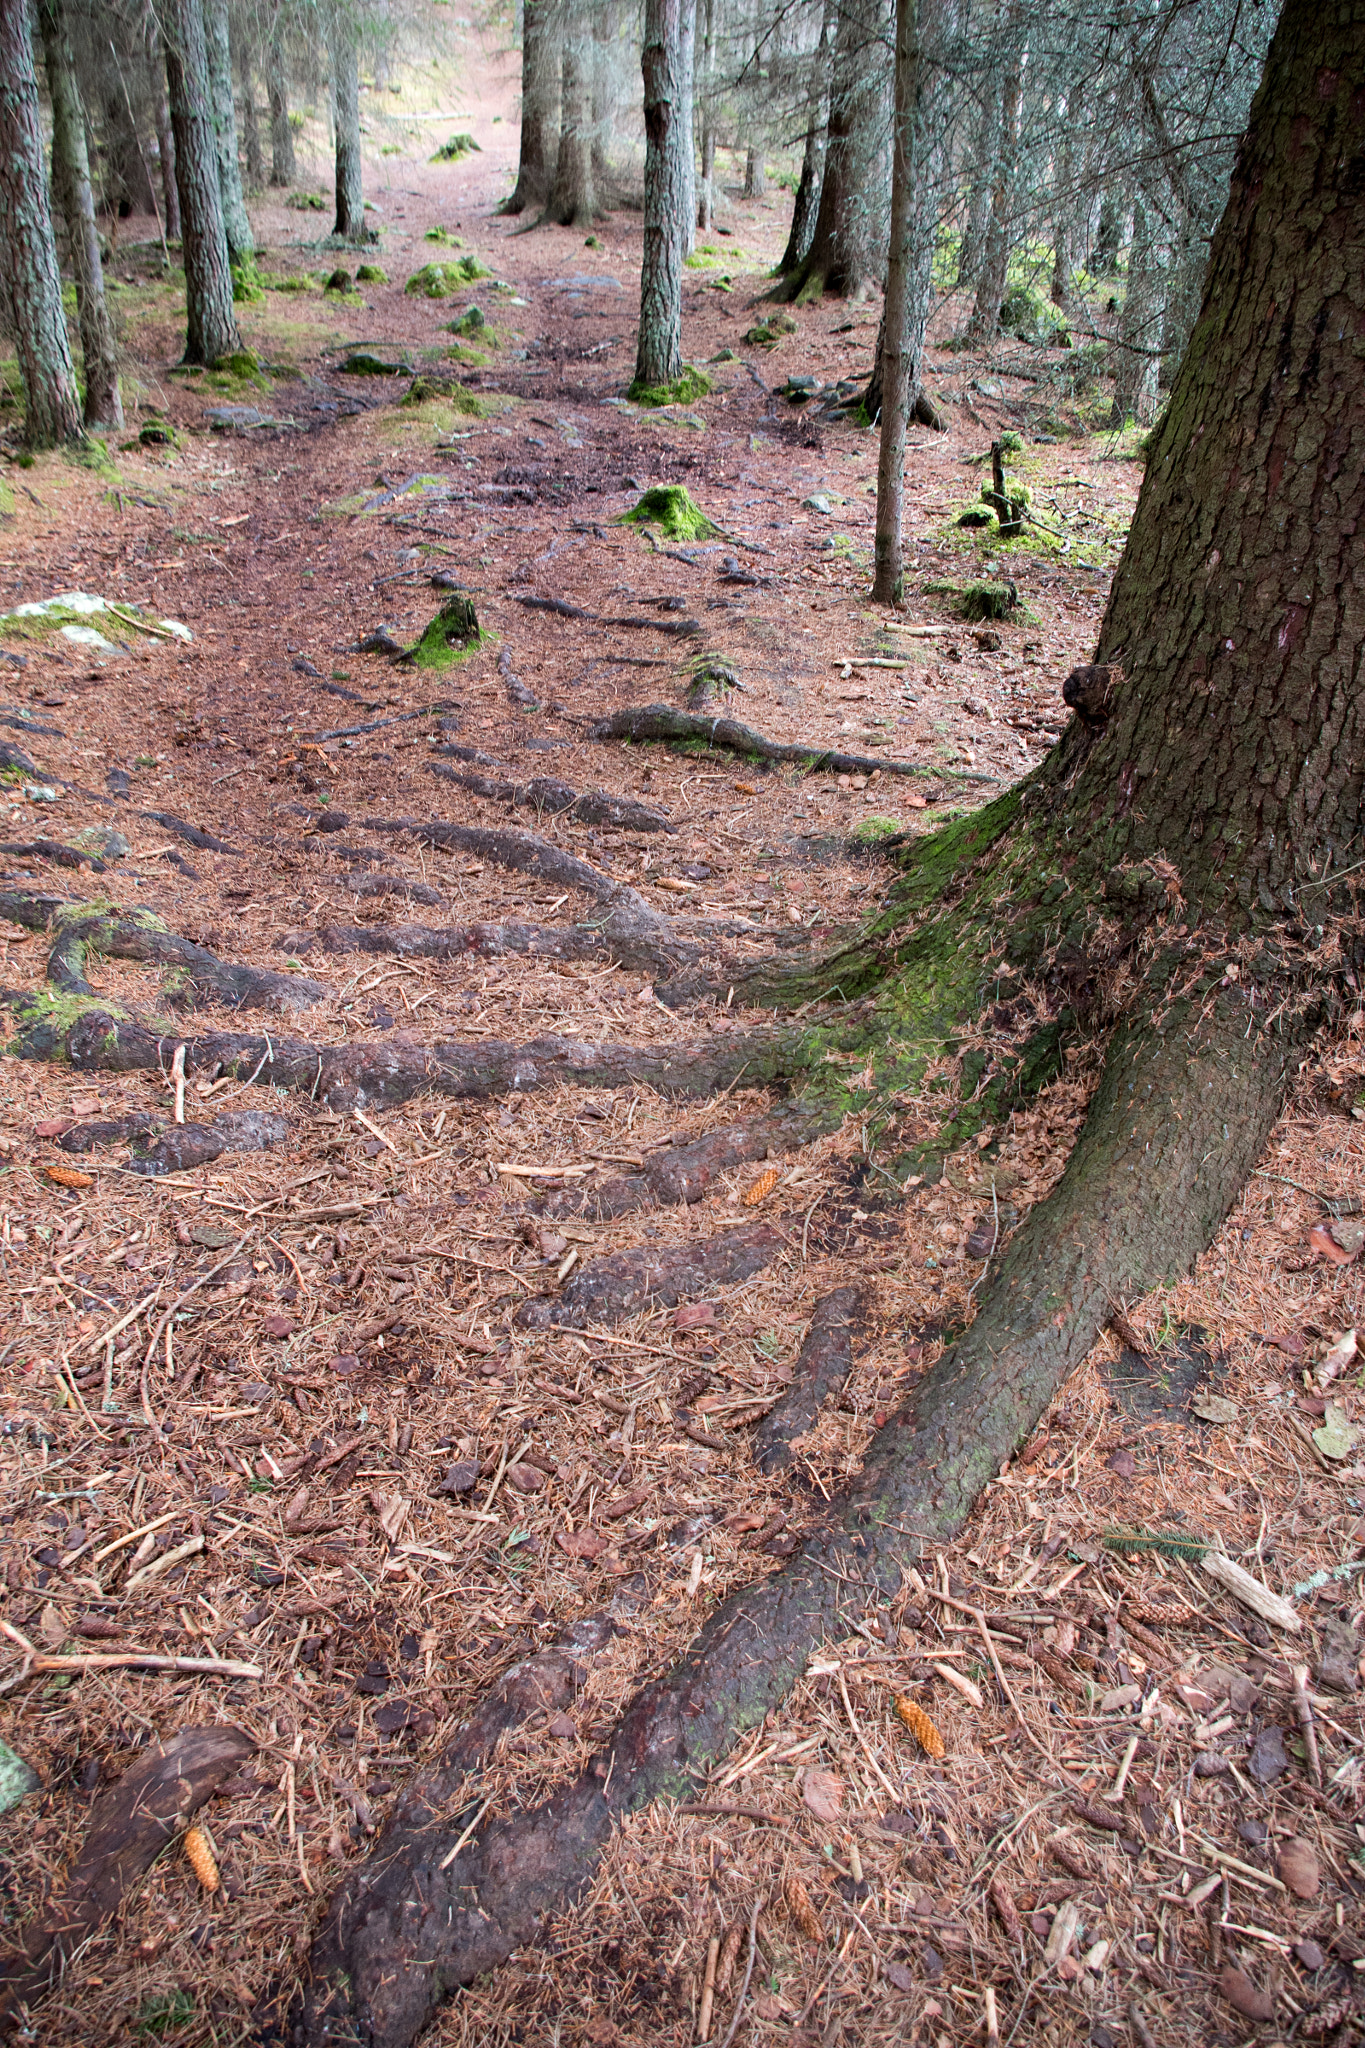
[(690, 385)]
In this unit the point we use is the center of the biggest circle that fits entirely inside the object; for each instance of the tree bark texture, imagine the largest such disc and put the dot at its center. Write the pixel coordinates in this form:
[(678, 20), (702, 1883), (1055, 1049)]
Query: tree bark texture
[(71, 183), (845, 247), (165, 148), (211, 323), (282, 171), (540, 61), (984, 323), (350, 195), (898, 351), (603, 93), (33, 283), (251, 126), (236, 224), (666, 63), (572, 201)]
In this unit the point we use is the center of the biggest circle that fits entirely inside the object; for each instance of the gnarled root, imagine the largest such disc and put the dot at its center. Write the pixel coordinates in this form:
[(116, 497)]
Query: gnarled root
[(662, 722), (1175, 1126), (611, 939), (825, 1357), (543, 793)]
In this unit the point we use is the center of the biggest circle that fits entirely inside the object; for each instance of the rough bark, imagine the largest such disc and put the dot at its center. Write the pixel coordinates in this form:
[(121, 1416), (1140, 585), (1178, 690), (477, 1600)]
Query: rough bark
[(662, 722), (706, 181), (825, 1358), (236, 224), (755, 177), (71, 182), (211, 324), (624, 1283), (681, 1174), (984, 323), (33, 284), (540, 61), (666, 63), (845, 244), (601, 942), (282, 170), (603, 96), (350, 196), (572, 201)]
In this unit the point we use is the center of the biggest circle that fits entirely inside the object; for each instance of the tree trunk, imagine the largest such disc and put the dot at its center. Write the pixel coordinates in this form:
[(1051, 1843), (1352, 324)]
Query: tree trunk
[(236, 224), (842, 256), (350, 196), (706, 182), (1108, 235), (165, 147), (540, 62), (1063, 221), (32, 280), (125, 181), (211, 323), (251, 127), (666, 65), (984, 324), (806, 205), (282, 171), (1137, 352), (603, 98), (1174, 855), (755, 177), (572, 202), (897, 346), (71, 183)]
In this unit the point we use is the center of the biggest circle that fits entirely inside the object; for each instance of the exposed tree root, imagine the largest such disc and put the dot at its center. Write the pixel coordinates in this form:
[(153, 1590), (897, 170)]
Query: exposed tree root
[(600, 943), (207, 842), (628, 1281), (162, 1147), (83, 929), (682, 629), (1173, 1130), (662, 722), (685, 1173), (543, 793), (53, 850), (826, 1357)]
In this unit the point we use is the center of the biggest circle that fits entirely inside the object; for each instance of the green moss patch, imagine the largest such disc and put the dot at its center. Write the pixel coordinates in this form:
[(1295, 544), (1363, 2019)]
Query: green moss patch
[(685, 389), (439, 280), (454, 148), (672, 509), (872, 832), (370, 273), (453, 634), (426, 389), (362, 362), (769, 332)]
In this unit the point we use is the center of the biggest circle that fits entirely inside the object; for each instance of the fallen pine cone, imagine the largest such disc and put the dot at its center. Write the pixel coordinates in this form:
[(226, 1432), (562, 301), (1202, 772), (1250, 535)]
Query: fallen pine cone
[(1099, 1816), (1004, 1905), (802, 1911), (69, 1177), (921, 1727), (201, 1858), (764, 1185)]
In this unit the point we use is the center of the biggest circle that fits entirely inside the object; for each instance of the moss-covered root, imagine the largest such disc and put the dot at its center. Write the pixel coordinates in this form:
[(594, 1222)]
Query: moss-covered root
[(1142, 1195), (451, 635), (671, 508), (82, 931)]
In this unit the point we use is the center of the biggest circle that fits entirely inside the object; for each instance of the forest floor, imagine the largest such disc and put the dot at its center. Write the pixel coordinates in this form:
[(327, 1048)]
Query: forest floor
[(472, 1486)]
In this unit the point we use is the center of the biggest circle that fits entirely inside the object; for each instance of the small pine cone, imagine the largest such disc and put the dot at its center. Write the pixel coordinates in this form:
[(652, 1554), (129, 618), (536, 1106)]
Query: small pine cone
[(201, 1858), (762, 1187), (800, 1907), (1004, 1905), (921, 1727), (729, 1956)]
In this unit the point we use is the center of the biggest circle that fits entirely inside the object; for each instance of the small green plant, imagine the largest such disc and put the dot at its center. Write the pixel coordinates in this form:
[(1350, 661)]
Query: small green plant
[(307, 202), (337, 281), (872, 832), (277, 282), (164, 2010), (247, 287), (454, 148), (440, 234), (671, 508), (690, 385)]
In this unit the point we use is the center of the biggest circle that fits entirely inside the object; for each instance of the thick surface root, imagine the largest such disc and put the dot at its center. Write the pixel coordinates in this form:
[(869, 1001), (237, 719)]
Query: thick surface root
[(600, 943), (1173, 1130), (543, 793), (629, 1281), (685, 1173), (662, 722), (825, 1359)]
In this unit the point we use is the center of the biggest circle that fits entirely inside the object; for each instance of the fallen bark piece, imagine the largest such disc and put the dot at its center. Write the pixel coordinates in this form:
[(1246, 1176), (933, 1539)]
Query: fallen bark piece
[(130, 1825), (618, 1286), (1244, 1996), (1250, 1591), (543, 793), (662, 722), (825, 1357)]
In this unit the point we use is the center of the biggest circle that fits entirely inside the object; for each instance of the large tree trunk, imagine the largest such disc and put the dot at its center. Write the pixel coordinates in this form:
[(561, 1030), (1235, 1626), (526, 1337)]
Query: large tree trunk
[(603, 95), (236, 224), (984, 324), (844, 253), (350, 196), (1176, 853), (806, 205), (32, 280), (211, 323), (282, 171), (666, 62), (71, 182), (540, 60), (572, 202)]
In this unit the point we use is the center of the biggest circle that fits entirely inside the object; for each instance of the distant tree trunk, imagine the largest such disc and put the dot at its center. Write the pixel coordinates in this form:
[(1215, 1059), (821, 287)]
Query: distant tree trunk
[(236, 224), (71, 182), (1109, 235), (898, 367), (755, 178), (666, 63), (984, 324), (126, 183), (1063, 221), (540, 59), (572, 201), (807, 203), (706, 183), (282, 171), (841, 256), (687, 121), (350, 195), (211, 323), (603, 33), (32, 280), (251, 127), (165, 148), (1137, 352)]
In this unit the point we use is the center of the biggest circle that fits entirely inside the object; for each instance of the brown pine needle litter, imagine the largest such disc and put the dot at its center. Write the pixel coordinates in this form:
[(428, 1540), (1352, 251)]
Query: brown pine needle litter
[(921, 1727), (201, 1858), (762, 1187)]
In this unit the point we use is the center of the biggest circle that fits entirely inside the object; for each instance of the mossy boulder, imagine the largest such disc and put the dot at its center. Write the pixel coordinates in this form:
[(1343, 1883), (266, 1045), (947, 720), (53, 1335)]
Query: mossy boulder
[(363, 362), (685, 389), (472, 321), (451, 635), (454, 148), (988, 600), (157, 433), (769, 332), (337, 281), (370, 273), (671, 508), (439, 280)]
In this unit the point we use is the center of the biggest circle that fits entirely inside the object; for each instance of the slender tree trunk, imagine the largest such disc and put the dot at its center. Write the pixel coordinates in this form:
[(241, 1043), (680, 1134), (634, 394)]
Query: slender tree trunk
[(603, 38), (540, 62), (236, 224), (71, 182), (211, 323), (687, 119), (33, 282), (1063, 219), (755, 177), (898, 361), (251, 127), (126, 183), (984, 324), (841, 256), (1109, 234), (282, 171), (572, 201), (1137, 352), (165, 149), (666, 64), (350, 196), (807, 202), (706, 183)]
